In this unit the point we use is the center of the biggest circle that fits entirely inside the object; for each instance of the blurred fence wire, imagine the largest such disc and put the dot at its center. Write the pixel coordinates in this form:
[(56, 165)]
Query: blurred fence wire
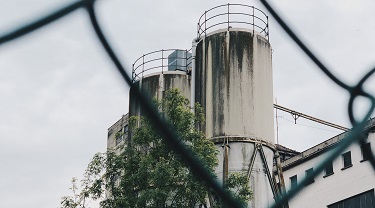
[(357, 133)]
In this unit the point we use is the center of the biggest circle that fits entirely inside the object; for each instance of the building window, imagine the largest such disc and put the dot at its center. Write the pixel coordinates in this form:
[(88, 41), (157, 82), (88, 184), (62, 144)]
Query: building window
[(366, 151), (119, 137), (347, 160), (293, 181), (126, 130), (328, 169), (122, 134), (308, 173)]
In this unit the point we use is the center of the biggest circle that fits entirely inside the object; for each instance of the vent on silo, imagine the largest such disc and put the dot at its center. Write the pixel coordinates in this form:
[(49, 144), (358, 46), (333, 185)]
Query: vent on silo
[(179, 60)]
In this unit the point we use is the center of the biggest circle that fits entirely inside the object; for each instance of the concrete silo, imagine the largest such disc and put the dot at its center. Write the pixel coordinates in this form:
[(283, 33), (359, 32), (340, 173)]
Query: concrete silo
[(233, 83), (157, 72)]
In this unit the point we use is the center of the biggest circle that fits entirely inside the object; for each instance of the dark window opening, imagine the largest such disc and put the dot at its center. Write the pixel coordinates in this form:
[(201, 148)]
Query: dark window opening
[(126, 130), (309, 173), (119, 137), (328, 169), (347, 160), (293, 181), (122, 134), (366, 151)]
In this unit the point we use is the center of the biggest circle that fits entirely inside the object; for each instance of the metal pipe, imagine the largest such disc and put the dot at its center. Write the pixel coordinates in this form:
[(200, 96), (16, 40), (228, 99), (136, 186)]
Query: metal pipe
[(296, 115), (280, 176), (270, 178), (251, 164), (225, 163)]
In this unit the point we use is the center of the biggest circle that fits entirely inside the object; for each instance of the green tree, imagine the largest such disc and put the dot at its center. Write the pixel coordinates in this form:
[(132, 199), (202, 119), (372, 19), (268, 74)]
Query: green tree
[(145, 171)]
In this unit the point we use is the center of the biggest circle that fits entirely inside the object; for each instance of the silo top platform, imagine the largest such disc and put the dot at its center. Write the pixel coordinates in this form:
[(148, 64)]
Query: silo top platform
[(233, 16), (161, 61)]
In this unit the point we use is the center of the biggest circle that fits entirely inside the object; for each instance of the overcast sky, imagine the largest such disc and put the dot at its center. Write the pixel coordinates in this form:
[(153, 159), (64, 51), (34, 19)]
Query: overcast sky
[(59, 93)]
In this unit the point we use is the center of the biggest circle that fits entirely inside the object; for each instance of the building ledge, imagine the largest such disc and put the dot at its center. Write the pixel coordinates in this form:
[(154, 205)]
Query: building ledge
[(325, 176), (349, 166)]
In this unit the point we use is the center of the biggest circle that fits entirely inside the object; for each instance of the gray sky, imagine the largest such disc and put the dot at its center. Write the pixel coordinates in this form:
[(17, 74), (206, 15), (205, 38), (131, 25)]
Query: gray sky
[(60, 93)]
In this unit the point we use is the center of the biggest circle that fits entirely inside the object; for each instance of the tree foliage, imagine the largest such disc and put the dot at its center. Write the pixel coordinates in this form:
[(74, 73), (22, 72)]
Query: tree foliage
[(145, 171)]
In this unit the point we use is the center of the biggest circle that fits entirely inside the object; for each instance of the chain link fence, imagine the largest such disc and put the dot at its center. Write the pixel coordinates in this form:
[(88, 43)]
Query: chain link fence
[(356, 135)]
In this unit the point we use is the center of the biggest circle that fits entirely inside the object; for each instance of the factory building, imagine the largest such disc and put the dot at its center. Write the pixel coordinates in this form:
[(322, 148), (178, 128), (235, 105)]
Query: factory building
[(348, 181), (228, 71)]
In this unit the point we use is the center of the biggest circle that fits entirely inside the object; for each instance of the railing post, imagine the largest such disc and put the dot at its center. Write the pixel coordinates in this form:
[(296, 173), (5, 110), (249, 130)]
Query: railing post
[(253, 20), (268, 30), (186, 60), (198, 28), (228, 16), (162, 61), (205, 22), (133, 73), (143, 64), (192, 92)]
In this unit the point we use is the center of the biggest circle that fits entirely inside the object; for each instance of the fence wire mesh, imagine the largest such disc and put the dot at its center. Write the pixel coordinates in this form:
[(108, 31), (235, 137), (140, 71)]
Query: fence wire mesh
[(357, 134)]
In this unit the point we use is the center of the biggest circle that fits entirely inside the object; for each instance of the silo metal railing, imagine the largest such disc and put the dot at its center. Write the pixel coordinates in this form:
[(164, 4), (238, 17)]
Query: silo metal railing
[(157, 61), (232, 15)]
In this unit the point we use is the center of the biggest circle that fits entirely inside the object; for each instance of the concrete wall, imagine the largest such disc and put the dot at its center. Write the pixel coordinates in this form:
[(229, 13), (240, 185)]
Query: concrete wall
[(116, 127), (341, 185), (156, 85)]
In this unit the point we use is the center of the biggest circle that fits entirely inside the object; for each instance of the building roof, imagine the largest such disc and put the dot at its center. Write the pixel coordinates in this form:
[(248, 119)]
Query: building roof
[(121, 121), (282, 148), (321, 148)]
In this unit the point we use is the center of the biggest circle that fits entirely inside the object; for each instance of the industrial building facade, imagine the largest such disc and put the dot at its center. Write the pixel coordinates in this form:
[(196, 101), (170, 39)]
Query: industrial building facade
[(228, 72), (349, 181)]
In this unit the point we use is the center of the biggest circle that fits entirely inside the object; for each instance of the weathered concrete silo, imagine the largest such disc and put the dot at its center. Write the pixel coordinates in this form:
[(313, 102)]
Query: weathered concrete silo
[(156, 72), (233, 83)]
